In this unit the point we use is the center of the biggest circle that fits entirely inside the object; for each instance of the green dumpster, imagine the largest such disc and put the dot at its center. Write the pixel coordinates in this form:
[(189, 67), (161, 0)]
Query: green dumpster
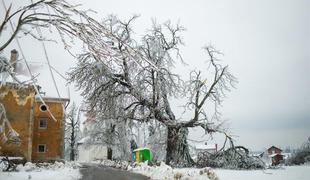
[(141, 155)]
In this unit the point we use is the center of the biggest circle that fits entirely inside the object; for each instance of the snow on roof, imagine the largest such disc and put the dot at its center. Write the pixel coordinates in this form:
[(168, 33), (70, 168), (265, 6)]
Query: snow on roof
[(52, 99), (10, 83), (203, 146), (273, 155), (274, 147)]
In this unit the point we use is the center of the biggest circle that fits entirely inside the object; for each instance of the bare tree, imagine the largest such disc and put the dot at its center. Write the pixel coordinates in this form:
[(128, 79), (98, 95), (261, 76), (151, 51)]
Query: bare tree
[(140, 89), (72, 130), (70, 22), (135, 76), (115, 135)]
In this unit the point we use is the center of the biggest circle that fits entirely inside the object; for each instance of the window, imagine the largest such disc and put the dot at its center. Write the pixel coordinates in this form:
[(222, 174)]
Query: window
[(43, 108), (41, 148), (43, 123)]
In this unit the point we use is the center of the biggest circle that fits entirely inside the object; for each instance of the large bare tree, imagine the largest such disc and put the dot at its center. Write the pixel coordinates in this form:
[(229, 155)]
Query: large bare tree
[(138, 79), (134, 75)]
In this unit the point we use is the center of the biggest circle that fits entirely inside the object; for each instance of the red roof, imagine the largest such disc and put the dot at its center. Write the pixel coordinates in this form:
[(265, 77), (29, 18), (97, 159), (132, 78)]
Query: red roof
[(273, 147)]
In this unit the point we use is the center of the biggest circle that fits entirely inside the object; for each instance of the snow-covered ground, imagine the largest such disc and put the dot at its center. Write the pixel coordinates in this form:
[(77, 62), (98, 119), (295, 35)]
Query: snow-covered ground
[(57, 171), (166, 172), (70, 171), (284, 173)]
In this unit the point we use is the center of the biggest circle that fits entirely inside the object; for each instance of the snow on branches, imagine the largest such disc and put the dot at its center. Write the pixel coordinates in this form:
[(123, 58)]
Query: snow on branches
[(135, 82)]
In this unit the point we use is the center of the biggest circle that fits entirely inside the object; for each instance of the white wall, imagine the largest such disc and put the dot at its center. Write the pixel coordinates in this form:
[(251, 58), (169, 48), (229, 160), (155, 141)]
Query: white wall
[(92, 152)]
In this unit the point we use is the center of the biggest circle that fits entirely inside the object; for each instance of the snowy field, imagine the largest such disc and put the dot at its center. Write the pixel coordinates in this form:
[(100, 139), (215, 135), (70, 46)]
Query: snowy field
[(285, 173), (57, 171), (166, 172)]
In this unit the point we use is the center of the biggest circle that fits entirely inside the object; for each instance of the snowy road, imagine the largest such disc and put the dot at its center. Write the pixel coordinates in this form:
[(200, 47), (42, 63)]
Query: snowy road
[(91, 172)]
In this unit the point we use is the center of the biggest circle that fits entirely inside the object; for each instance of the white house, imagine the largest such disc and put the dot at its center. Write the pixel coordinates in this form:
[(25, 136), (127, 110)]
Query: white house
[(91, 152)]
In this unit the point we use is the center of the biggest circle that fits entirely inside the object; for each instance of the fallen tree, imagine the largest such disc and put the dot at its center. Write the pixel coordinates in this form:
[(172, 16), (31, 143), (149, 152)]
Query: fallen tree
[(234, 157)]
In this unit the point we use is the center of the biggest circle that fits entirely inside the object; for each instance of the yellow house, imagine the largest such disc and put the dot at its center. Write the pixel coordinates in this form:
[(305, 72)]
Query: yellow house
[(40, 126)]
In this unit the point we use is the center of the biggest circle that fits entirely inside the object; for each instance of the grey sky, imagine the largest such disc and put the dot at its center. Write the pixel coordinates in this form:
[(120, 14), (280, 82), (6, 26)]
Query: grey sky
[(266, 44)]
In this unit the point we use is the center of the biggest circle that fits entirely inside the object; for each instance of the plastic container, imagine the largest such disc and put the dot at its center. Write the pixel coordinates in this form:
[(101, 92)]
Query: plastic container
[(142, 154)]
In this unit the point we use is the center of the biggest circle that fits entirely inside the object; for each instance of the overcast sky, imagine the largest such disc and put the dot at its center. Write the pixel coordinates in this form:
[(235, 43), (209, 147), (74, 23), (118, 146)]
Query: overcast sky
[(266, 43)]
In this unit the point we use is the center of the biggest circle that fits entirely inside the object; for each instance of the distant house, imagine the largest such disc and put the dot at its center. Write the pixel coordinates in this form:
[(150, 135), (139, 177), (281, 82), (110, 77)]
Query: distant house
[(91, 152), (274, 150), (211, 148), (275, 154)]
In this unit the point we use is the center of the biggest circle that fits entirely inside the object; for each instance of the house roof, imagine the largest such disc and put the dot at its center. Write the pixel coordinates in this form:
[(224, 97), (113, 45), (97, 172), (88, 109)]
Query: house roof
[(14, 85), (10, 83), (273, 147), (273, 155), (52, 99)]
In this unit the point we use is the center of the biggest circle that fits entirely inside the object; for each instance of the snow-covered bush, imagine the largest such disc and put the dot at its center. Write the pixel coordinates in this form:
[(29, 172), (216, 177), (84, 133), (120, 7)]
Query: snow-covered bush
[(301, 156)]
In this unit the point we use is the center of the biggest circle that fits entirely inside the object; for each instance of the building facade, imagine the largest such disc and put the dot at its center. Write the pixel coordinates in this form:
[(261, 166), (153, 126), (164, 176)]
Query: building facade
[(40, 126)]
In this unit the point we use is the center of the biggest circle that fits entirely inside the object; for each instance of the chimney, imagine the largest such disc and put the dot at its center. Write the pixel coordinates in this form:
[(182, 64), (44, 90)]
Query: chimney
[(216, 147), (13, 60)]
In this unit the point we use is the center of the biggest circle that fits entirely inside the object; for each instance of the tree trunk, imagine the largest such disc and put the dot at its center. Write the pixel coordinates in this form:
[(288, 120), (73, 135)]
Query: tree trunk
[(109, 153), (177, 147), (72, 154), (72, 143)]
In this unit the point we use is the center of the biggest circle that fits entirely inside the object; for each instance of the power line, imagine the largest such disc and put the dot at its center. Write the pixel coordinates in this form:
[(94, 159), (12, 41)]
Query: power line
[(46, 56), (59, 73)]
